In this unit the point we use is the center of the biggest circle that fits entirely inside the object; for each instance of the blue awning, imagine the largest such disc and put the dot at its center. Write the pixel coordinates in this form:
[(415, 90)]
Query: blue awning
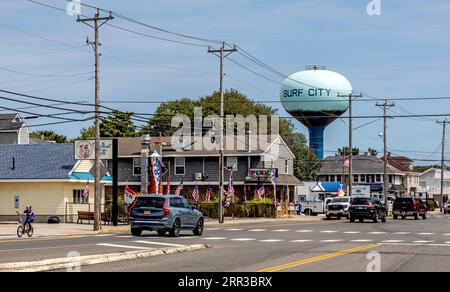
[(86, 176), (328, 187), (376, 187)]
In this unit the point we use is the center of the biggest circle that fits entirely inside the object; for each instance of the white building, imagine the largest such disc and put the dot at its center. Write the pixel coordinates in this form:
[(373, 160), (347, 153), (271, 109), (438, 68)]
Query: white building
[(430, 183)]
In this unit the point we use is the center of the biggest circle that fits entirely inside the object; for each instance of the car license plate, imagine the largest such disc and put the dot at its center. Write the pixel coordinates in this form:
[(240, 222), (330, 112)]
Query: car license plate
[(147, 213), (360, 208), (404, 213)]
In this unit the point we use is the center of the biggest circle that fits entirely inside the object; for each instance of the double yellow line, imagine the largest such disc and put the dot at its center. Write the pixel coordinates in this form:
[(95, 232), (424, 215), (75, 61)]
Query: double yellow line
[(318, 258)]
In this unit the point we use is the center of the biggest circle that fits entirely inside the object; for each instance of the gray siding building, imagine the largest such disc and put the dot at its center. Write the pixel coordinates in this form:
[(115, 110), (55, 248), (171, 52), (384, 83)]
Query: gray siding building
[(13, 130)]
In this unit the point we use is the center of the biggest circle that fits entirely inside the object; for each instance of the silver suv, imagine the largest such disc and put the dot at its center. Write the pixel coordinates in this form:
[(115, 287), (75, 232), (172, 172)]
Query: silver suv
[(447, 207), (165, 214)]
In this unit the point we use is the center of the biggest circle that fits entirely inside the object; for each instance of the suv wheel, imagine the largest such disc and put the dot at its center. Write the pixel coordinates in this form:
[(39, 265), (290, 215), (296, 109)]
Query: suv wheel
[(328, 217), (175, 231), (375, 218), (395, 217), (136, 231), (384, 219), (352, 220), (416, 216), (424, 216), (200, 227)]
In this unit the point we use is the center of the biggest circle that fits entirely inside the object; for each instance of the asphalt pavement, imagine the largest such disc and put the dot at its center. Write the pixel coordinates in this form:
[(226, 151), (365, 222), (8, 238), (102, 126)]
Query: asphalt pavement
[(398, 245)]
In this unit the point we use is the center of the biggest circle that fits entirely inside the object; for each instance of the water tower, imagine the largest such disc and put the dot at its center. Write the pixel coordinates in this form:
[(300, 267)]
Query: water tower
[(314, 97)]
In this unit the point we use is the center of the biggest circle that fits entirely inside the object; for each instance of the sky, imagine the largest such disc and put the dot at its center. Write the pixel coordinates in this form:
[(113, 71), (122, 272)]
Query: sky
[(401, 53)]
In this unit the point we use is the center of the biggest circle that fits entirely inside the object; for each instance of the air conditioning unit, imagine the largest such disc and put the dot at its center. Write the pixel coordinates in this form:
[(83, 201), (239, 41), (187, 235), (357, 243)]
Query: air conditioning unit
[(199, 176)]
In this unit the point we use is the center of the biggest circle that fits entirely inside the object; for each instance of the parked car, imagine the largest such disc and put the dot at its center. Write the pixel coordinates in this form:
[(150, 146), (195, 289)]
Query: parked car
[(367, 208), (409, 207), (447, 207), (314, 208), (165, 214), (338, 207)]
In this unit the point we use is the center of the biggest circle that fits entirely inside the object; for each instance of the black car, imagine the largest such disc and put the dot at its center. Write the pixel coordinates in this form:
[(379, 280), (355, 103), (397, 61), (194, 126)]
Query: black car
[(367, 208)]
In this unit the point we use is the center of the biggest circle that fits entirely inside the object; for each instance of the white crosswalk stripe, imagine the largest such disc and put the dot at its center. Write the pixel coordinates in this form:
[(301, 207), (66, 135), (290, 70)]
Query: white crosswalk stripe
[(214, 238), (331, 240), (271, 240), (123, 246), (402, 233), (377, 232), (282, 230), (304, 231), (362, 240), (234, 229), (103, 235), (392, 241), (257, 230), (352, 232), (328, 231), (301, 241), (243, 239), (159, 243)]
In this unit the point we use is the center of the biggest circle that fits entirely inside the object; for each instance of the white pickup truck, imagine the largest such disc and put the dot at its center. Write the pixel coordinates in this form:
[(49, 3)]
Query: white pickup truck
[(314, 208)]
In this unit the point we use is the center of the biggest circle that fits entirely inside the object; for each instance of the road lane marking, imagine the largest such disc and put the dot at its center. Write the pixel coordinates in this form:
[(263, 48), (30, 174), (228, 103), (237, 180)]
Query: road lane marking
[(234, 229), (243, 239), (257, 230), (213, 229), (159, 243), (377, 232), (122, 246), (282, 230), (301, 241), (328, 231), (447, 234), (426, 233), (331, 240), (214, 238), (402, 233), (392, 241), (352, 232), (423, 241), (103, 235), (304, 231), (125, 236), (318, 258), (271, 240), (362, 240)]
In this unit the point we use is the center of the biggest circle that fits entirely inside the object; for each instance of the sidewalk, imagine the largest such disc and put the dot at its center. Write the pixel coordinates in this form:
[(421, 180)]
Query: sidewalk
[(9, 229)]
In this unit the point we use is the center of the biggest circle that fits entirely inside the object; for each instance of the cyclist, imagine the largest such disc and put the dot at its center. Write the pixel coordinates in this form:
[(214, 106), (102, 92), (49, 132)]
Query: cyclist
[(30, 215)]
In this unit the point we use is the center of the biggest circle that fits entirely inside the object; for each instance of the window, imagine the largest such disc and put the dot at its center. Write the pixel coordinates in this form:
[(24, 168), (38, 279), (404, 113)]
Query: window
[(363, 178), (137, 166), (339, 178), (232, 162), (286, 166), (356, 178), (176, 203), (78, 197), (332, 178), (180, 165), (378, 178)]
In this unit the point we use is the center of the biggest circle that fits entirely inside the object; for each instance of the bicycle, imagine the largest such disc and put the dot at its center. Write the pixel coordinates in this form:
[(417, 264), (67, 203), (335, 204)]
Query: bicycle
[(24, 227)]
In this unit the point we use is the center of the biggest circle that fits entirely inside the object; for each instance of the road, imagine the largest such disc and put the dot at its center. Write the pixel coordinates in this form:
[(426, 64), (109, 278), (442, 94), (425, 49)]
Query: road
[(403, 245)]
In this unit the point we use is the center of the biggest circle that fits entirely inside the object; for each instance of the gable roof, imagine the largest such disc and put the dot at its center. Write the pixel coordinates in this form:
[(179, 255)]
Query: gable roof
[(362, 164), (10, 122), (43, 161)]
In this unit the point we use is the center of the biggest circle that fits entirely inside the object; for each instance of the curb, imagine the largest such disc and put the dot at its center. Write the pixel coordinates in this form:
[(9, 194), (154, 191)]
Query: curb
[(114, 230), (70, 262)]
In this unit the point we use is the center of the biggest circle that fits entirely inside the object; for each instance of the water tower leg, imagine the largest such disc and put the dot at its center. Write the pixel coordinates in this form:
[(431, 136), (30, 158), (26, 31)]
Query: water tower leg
[(316, 140)]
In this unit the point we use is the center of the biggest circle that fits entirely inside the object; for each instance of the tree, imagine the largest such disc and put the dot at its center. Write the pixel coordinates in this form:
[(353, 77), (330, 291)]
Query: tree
[(344, 151), (49, 136), (117, 124), (372, 152), (306, 166)]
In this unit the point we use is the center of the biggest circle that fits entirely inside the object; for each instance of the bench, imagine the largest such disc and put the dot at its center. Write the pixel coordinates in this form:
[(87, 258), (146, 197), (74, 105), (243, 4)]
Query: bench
[(90, 216)]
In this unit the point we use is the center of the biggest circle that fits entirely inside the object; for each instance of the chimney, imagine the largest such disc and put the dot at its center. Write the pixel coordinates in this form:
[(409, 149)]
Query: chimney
[(13, 164)]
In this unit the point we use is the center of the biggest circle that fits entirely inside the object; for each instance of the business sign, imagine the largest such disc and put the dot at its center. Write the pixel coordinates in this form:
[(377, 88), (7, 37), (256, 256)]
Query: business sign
[(264, 172), (85, 149), (361, 190)]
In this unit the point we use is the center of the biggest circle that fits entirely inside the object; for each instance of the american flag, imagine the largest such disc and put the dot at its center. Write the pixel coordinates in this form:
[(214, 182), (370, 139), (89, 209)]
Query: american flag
[(157, 175), (196, 194), (274, 182), (179, 189), (245, 193), (260, 192), (347, 162), (208, 194), (230, 191), (86, 191)]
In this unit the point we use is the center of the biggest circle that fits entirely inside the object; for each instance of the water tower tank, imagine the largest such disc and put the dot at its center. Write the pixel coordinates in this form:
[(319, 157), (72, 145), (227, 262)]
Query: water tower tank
[(313, 98)]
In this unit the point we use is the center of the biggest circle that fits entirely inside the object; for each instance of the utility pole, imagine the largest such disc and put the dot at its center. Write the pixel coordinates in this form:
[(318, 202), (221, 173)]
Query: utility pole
[(385, 105), (222, 53), (444, 126), (98, 22), (350, 139)]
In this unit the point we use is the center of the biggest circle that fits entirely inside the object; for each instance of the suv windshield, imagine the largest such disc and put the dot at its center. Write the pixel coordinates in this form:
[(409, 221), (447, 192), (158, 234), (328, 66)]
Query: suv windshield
[(150, 202), (340, 200), (361, 201)]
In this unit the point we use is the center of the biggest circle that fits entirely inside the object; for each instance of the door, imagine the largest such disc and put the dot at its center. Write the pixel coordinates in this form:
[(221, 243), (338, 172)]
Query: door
[(191, 217), (177, 207)]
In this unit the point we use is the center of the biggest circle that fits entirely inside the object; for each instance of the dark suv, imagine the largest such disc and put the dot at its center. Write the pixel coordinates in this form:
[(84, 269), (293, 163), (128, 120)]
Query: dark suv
[(409, 207), (367, 208), (165, 214)]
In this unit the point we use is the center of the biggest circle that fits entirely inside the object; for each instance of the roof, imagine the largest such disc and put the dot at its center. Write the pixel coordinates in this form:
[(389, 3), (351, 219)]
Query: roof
[(362, 164), (10, 122), (401, 163), (132, 147), (283, 180), (42, 161)]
